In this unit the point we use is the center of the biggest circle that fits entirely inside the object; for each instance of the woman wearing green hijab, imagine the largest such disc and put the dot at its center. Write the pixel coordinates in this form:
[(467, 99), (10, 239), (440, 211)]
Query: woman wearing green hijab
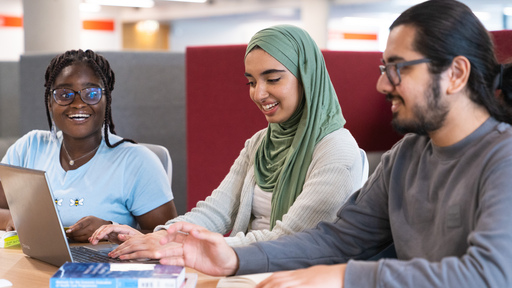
[(291, 175)]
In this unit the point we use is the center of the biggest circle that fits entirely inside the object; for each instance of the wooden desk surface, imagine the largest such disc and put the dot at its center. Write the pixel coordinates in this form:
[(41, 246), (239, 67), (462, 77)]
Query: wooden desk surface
[(25, 272)]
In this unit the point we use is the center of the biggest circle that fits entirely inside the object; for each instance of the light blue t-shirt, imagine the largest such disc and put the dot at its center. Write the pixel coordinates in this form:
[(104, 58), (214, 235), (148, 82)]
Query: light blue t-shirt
[(115, 185)]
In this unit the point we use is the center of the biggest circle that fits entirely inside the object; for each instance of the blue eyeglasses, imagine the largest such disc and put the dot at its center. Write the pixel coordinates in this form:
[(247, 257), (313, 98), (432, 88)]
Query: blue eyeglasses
[(66, 96), (392, 70)]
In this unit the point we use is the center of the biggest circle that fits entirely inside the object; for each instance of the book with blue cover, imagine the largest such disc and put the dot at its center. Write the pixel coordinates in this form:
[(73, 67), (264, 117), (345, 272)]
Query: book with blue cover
[(117, 275)]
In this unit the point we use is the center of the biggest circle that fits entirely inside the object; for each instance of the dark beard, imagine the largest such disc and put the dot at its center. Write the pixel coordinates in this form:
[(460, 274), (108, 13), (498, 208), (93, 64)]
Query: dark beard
[(428, 119)]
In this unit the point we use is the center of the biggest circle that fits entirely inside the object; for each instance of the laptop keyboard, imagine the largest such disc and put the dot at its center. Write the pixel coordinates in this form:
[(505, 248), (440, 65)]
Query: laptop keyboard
[(85, 255)]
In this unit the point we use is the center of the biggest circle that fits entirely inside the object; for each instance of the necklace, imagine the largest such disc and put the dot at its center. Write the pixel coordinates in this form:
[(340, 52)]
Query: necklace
[(72, 161)]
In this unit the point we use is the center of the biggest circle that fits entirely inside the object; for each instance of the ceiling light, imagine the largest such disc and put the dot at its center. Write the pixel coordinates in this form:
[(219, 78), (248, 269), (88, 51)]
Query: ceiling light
[(90, 7), (124, 3)]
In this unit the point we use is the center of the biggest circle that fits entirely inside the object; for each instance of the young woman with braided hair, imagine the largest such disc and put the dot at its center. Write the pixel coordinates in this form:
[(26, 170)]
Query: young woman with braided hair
[(96, 176)]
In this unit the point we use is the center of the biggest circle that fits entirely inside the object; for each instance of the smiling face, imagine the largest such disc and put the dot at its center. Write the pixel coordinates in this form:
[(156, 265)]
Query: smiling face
[(274, 89), (78, 120), (416, 103)]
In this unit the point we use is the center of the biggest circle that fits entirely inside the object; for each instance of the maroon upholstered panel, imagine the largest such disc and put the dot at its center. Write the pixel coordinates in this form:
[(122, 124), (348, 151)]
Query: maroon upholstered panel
[(503, 45), (354, 76), (221, 116)]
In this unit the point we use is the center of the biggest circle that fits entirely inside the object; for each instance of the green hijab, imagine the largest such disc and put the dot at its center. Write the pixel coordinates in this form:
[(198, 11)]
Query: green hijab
[(284, 155)]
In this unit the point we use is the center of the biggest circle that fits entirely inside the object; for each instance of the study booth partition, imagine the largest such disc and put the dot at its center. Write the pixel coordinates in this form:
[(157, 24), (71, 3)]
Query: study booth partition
[(221, 116), (503, 45)]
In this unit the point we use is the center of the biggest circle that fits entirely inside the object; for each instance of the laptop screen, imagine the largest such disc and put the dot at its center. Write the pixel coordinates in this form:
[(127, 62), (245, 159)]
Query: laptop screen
[(34, 214)]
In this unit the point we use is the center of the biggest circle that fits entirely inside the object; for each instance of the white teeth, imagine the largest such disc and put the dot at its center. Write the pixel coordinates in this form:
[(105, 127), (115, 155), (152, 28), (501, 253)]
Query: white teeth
[(81, 116), (269, 106)]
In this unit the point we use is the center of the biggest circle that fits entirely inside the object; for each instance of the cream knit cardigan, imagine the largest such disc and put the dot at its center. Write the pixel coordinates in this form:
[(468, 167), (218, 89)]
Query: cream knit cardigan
[(338, 169)]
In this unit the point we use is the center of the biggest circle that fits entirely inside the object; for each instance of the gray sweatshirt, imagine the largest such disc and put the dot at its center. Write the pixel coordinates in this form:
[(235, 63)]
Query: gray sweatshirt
[(448, 211)]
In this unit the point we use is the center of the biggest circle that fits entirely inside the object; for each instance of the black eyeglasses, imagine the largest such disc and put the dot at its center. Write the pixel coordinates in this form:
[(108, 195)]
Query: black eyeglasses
[(65, 96), (392, 70)]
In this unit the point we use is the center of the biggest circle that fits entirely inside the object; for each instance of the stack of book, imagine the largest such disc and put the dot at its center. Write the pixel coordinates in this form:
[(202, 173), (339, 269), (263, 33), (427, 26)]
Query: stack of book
[(119, 275)]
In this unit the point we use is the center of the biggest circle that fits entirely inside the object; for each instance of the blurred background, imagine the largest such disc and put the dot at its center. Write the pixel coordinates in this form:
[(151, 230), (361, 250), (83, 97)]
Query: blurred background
[(42, 26)]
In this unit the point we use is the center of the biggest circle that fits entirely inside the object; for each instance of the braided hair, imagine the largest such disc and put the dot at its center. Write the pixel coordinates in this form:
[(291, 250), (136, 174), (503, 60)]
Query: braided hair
[(102, 69)]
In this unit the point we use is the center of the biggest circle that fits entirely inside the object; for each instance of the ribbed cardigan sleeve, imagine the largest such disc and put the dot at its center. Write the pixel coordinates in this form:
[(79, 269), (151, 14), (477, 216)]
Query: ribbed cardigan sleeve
[(335, 172)]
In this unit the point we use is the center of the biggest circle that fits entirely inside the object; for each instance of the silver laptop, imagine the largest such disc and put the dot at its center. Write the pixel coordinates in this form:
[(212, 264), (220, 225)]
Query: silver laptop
[(37, 220)]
